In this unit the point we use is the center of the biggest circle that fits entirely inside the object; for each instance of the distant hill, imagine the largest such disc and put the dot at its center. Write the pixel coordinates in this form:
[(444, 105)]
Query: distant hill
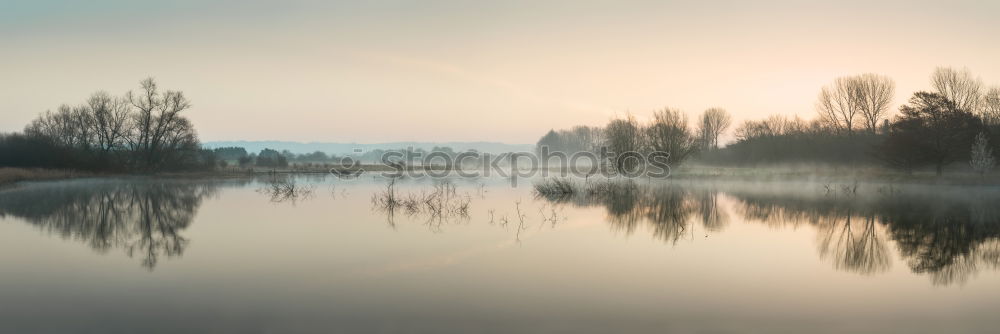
[(346, 148)]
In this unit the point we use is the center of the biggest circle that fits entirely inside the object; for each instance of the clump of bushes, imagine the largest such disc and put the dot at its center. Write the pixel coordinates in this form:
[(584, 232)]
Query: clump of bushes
[(564, 189), (556, 187), (442, 202)]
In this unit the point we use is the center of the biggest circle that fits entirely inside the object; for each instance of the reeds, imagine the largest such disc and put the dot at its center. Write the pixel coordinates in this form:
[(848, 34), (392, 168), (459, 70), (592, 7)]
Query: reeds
[(9, 175), (563, 189), (556, 187), (442, 202), (611, 187), (285, 189)]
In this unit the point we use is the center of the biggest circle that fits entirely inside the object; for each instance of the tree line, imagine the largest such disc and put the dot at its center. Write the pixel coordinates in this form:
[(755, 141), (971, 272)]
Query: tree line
[(273, 158), (142, 130), (139, 131), (669, 131), (268, 157), (958, 120)]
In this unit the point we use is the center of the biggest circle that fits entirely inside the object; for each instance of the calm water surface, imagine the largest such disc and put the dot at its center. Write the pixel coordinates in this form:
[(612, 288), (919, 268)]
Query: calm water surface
[(327, 255)]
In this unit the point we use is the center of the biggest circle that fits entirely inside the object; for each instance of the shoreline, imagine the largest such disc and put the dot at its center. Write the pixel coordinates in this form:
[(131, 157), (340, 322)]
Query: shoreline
[(10, 177)]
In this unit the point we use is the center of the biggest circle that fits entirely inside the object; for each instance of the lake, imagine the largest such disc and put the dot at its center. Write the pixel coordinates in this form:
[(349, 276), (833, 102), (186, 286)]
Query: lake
[(314, 254)]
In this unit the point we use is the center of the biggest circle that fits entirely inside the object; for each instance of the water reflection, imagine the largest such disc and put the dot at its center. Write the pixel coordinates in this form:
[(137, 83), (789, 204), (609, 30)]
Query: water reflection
[(948, 239), (854, 244), (669, 211), (947, 235), (438, 207), (143, 218), (285, 188), (847, 234)]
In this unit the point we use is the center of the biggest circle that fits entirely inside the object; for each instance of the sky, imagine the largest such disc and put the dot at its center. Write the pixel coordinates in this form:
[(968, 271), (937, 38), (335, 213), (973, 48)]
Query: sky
[(445, 70)]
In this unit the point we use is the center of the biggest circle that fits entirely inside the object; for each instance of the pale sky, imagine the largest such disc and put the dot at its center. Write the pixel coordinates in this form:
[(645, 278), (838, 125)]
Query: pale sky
[(380, 71)]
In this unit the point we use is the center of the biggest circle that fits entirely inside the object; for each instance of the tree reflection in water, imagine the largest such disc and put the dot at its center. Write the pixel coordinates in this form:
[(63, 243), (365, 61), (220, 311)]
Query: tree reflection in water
[(947, 235), (668, 210), (144, 218), (947, 239), (854, 244)]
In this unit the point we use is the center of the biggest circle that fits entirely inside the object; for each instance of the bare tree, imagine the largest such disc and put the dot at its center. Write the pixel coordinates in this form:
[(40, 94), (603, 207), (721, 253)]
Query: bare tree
[(840, 105), (981, 159), (143, 130), (67, 126), (586, 138), (990, 108), (960, 87), (864, 98), (712, 124), (669, 132), (772, 126), (746, 130), (48, 125), (876, 92), (82, 123), (110, 120), (623, 135), (158, 127)]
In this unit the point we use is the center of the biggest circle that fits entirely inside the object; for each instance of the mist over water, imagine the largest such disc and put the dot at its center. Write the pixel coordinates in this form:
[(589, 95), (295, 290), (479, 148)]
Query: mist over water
[(320, 253)]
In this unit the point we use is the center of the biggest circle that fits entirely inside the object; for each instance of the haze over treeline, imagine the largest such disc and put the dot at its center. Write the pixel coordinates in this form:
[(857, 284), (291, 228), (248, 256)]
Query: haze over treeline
[(351, 148), (956, 120)]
